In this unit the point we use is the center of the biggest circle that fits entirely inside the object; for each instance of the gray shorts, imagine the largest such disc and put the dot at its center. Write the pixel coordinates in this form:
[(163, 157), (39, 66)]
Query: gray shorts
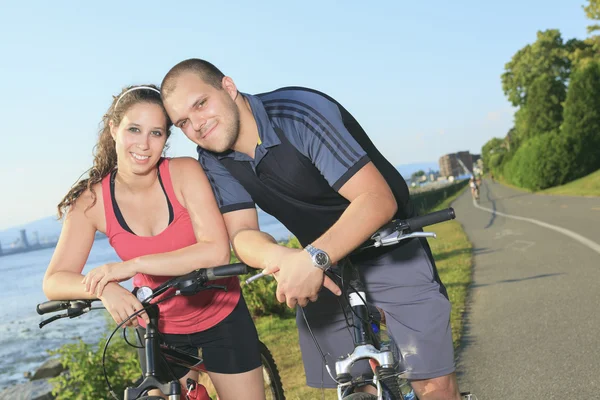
[(404, 283)]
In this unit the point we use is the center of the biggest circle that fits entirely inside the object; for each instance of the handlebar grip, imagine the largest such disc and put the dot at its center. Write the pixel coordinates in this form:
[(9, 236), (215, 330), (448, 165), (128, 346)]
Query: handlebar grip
[(52, 306), (225, 271), (419, 222)]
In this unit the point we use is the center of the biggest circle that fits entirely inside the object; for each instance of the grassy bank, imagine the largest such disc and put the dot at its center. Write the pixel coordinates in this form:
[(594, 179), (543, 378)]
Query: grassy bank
[(587, 186), (452, 252)]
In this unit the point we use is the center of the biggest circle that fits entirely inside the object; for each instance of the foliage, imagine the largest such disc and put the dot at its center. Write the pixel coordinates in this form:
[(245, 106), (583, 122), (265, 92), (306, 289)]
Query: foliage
[(544, 109), (541, 162), (85, 379), (548, 55), (582, 119), (592, 11)]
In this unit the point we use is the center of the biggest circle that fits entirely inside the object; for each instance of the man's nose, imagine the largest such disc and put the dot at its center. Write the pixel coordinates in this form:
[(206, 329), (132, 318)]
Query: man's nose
[(198, 123)]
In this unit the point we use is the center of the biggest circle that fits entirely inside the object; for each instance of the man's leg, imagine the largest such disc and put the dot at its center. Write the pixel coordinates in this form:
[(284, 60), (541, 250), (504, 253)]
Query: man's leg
[(405, 284), (441, 388)]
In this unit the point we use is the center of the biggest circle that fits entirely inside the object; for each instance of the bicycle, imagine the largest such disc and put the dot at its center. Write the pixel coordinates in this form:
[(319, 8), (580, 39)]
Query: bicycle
[(185, 285), (383, 356)]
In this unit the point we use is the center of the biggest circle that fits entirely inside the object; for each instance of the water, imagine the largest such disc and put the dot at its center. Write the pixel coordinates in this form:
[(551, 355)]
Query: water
[(23, 345)]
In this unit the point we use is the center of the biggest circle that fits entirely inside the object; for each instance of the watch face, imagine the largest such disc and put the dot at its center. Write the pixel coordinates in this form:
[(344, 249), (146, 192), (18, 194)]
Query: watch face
[(321, 259), (143, 293)]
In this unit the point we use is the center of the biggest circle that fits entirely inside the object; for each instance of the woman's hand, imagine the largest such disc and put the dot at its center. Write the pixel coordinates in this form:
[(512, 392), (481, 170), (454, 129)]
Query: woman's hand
[(121, 303), (96, 280)]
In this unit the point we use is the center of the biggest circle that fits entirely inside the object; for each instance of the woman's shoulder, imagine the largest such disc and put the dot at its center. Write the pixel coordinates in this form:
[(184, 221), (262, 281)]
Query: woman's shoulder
[(183, 166), (89, 204)]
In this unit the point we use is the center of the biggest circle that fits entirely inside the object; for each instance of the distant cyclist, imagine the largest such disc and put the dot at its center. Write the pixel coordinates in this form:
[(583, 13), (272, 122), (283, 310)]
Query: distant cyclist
[(474, 188)]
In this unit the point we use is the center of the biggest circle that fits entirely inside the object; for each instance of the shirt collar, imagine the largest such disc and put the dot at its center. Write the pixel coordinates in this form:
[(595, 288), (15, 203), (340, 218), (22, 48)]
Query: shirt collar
[(266, 133)]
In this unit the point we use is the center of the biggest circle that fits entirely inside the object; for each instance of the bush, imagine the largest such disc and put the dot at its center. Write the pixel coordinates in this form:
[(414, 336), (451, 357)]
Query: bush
[(541, 162), (85, 379), (582, 119)]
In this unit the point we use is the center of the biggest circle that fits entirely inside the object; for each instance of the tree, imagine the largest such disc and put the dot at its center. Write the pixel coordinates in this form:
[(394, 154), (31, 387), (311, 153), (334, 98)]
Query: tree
[(547, 55), (592, 11), (491, 151), (416, 175), (582, 119), (544, 109)]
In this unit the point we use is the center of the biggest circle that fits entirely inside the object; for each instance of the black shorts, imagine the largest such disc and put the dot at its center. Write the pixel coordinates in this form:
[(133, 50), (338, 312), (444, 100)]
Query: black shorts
[(230, 347)]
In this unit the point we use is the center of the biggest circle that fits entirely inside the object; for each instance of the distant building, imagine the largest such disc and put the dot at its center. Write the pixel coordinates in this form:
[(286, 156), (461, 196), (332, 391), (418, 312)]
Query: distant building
[(0, 248), (24, 239), (450, 165)]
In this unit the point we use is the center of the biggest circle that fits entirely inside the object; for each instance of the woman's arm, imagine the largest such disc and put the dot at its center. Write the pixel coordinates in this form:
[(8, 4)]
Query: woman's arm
[(62, 280)]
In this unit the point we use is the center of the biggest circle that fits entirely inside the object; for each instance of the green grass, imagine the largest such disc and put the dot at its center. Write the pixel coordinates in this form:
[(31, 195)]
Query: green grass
[(587, 186), (452, 252)]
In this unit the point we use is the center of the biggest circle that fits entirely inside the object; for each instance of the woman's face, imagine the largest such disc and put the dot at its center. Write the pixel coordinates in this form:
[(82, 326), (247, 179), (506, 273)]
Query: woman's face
[(140, 137)]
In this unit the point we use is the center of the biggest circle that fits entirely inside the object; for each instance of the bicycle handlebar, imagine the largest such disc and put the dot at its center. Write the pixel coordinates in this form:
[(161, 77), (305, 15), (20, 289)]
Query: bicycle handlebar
[(433, 218), (188, 284), (52, 306)]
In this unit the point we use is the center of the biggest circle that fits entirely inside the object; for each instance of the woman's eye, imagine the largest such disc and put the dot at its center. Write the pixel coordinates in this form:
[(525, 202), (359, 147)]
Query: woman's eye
[(157, 133), (133, 129)]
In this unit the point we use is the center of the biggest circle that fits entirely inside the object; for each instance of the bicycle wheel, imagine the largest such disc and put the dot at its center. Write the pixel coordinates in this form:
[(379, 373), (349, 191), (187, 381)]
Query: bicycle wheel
[(272, 380)]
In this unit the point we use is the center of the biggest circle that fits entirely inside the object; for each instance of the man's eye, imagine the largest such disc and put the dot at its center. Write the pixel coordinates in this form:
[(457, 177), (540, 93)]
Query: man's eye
[(200, 104), (181, 125)]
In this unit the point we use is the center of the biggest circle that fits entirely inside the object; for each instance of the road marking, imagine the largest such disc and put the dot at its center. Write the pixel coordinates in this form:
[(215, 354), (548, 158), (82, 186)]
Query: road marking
[(581, 239), (521, 245), (507, 232)]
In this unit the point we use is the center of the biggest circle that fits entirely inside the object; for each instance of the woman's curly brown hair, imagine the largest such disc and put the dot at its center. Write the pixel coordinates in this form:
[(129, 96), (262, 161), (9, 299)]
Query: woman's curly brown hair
[(105, 155)]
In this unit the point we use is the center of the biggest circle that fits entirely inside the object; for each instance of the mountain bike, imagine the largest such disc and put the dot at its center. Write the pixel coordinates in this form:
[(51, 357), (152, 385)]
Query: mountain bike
[(371, 342), (154, 348)]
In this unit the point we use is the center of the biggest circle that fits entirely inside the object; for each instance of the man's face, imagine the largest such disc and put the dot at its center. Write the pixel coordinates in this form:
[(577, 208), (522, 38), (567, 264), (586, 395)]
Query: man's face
[(208, 116)]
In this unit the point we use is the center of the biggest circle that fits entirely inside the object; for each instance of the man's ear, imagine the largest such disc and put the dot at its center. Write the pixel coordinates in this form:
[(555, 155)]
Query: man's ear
[(229, 87)]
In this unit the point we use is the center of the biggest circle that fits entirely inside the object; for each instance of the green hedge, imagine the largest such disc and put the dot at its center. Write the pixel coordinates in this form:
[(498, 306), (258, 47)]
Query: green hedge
[(428, 200)]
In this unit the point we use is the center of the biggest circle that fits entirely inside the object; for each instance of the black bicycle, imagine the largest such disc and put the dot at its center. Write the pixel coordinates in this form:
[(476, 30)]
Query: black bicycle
[(371, 341), (154, 348)]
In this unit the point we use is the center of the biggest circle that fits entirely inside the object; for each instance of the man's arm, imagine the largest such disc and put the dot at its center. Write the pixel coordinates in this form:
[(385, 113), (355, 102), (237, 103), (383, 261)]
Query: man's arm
[(259, 249), (253, 247), (372, 205)]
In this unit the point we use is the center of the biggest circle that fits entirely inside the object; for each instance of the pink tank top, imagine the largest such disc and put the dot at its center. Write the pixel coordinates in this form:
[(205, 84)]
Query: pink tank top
[(181, 314)]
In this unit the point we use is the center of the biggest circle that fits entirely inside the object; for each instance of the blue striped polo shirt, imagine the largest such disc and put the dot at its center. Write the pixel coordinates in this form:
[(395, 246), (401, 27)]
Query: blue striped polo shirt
[(310, 146)]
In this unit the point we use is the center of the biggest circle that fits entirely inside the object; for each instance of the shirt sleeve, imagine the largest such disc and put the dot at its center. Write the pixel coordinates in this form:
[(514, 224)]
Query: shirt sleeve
[(229, 193), (315, 126)]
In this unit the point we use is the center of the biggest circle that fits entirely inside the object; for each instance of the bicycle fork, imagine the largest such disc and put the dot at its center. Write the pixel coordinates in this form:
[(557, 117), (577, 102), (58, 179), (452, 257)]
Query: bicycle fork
[(383, 361)]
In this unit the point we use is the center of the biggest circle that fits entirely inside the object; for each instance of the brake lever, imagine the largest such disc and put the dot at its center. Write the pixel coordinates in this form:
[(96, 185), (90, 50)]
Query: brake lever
[(52, 319), (397, 237)]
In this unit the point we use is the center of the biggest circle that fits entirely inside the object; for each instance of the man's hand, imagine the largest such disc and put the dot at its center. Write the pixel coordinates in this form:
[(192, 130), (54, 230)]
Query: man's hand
[(99, 277), (121, 303), (298, 280)]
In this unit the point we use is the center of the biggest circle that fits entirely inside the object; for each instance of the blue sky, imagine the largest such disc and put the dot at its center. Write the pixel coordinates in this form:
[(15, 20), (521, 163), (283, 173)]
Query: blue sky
[(422, 78)]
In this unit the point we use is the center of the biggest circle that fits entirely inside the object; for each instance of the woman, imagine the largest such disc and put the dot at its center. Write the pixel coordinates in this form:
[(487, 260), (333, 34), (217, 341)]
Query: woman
[(161, 218)]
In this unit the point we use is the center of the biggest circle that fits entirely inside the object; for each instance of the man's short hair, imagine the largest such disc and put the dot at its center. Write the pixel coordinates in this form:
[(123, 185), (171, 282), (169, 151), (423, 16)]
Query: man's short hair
[(205, 70)]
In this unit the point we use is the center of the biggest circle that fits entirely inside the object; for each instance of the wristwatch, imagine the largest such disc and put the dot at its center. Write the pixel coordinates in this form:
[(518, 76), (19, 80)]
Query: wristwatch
[(320, 259)]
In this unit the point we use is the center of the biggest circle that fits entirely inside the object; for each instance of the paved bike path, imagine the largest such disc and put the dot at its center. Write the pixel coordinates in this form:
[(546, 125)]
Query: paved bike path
[(532, 329)]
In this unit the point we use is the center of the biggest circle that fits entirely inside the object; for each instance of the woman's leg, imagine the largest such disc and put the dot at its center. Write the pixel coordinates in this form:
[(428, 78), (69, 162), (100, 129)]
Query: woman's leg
[(246, 385)]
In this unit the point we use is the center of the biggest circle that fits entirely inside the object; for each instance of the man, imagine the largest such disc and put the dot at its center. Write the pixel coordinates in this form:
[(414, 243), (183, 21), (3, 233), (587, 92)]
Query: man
[(301, 157)]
